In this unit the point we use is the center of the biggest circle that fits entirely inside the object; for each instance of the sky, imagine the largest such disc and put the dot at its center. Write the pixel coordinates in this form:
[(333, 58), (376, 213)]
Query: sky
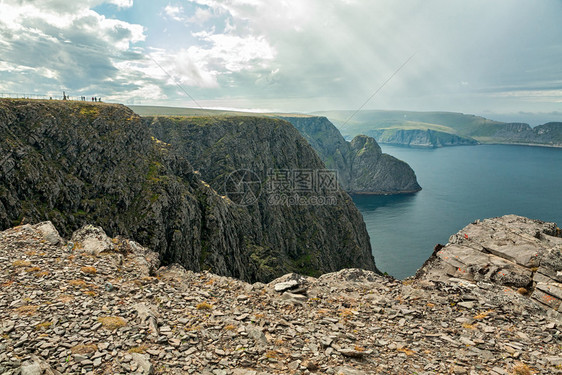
[(472, 56)]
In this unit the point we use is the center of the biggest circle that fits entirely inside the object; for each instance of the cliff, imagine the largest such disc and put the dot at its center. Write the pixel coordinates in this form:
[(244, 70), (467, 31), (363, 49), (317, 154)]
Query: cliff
[(302, 223), (419, 138), (549, 134), (68, 309), (361, 165), (75, 163)]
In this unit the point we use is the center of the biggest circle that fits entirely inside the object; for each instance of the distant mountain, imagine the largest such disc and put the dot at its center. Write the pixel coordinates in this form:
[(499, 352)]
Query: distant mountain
[(438, 129)]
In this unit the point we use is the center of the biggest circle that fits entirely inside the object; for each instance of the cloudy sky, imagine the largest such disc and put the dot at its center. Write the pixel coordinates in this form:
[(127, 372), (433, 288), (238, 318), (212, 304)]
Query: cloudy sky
[(472, 56)]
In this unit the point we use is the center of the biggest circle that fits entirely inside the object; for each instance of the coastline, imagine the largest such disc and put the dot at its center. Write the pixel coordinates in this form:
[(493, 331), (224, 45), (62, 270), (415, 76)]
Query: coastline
[(480, 143)]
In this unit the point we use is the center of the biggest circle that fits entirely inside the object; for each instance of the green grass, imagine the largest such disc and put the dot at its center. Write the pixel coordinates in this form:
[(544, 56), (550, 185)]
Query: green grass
[(448, 122)]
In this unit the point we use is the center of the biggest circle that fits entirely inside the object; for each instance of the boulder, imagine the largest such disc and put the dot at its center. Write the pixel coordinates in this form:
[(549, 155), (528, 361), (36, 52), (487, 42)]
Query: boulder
[(48, 230), (92, 240)]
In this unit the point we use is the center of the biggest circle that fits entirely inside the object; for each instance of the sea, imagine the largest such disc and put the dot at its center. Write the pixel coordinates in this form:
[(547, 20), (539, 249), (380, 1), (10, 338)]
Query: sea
[(460, 185)]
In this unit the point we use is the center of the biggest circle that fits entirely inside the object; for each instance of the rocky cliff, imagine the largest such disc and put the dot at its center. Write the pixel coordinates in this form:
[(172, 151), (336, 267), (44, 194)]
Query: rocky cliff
[(419, 138), (110, 309), (511, 251), (549, 134), (302, 223), (361, 165), (74, 163)]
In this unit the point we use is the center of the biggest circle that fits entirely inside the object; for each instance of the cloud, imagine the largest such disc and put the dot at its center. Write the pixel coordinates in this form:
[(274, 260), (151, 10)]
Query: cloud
[(174, 12), (290, 54), (178, 14), (47, 47), (64, 6)]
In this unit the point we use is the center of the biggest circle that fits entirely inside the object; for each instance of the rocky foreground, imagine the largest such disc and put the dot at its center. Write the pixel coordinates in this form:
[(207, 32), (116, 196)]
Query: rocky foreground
[(96, 305)]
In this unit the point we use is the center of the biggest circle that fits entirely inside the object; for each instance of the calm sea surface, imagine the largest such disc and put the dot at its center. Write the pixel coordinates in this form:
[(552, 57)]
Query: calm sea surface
[(460, 184)]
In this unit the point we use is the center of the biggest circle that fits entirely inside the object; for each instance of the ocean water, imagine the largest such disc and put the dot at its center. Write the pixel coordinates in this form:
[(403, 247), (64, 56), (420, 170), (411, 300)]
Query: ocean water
[(460, 185)]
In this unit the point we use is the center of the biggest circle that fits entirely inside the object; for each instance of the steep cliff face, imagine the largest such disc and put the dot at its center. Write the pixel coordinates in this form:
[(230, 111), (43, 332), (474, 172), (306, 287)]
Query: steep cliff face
[(419, 138), (361, 165), (297, 228), (76, 163), (370, 165), (549, 134)]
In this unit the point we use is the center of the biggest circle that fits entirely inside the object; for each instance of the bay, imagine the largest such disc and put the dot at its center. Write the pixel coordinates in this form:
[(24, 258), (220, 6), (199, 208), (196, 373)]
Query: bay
[(460, 185)]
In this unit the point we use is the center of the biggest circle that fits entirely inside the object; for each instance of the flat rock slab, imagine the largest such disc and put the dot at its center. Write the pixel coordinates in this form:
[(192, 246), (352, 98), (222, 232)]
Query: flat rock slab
[(501, 240), (281, 287), (512, 251), (470, 264), (553, 289)]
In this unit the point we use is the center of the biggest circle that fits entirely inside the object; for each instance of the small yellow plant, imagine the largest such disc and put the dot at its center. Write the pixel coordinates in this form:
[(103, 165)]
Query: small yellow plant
[(483, 314), (21, 263), (347, 312), (78, 283), (406, 351), (89, 270), (272, 354), (204, 306), (521, 369), (112, 322), (27, 310), (138, 349), (6, 284)]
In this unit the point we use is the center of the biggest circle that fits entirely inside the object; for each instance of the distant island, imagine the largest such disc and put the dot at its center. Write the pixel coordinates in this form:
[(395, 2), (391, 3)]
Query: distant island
[(439, 129)]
